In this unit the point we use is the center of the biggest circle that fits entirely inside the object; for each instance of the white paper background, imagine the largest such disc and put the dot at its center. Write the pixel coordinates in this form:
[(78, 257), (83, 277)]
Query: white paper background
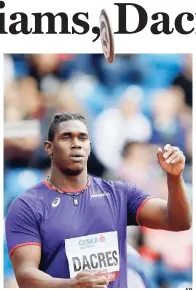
[(142, 42)]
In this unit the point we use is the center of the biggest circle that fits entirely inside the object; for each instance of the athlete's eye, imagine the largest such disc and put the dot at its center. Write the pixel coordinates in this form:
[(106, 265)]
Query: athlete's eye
[(66, 137), (83, 137)]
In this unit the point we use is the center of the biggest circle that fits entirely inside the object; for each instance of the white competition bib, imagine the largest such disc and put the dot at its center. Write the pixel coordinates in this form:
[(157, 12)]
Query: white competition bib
[(97, 252)]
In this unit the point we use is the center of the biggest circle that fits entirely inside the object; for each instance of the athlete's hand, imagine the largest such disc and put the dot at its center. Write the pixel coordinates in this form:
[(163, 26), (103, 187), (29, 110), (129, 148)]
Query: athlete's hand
[(172, 160), (89, 280)]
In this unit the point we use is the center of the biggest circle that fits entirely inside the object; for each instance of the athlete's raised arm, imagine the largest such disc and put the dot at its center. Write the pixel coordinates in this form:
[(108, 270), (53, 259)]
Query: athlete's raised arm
[(174, 214)]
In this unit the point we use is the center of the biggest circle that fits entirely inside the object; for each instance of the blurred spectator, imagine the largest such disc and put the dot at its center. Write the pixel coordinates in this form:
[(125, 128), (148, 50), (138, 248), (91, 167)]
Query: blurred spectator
[(142, 158), (173, 250), (184, 79), (159, 70), (124, 70), (166, 122), (9, 72), (116, 125), (137, 277)]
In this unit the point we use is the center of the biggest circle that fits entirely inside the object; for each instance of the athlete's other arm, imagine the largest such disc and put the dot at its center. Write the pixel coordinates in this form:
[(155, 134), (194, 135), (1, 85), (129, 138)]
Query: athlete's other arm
[(25, 262), (174, 214)]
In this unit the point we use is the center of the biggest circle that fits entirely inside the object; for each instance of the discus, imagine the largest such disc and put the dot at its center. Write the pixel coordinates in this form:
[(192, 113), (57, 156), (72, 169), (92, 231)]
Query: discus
[(106, 36)]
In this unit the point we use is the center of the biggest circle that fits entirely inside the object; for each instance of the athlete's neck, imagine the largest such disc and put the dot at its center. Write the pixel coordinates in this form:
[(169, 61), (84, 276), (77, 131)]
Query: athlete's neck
[(66, 182)]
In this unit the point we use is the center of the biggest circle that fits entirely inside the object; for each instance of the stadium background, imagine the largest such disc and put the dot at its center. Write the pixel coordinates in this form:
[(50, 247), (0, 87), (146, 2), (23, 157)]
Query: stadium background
[(132, 106)]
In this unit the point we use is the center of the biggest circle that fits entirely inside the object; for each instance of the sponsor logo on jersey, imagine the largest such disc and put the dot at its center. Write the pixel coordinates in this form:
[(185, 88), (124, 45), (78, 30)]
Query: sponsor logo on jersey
[(105, 193), (56, 202)]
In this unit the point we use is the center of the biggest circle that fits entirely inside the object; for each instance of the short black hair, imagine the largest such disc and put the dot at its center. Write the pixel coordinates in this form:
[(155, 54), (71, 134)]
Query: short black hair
[(62, 117)]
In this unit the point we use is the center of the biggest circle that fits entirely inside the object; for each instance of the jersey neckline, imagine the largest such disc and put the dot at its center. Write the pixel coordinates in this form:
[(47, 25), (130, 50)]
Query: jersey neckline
[(68, 191)]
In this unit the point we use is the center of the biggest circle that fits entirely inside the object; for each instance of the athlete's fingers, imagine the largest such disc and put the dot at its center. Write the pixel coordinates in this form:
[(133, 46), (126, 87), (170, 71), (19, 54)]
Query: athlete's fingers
[(160, 155), (101, 281), (169, 150), (167, 146), (92, 282), (84, 274), (172, 157), (180, 157), (176, 160)]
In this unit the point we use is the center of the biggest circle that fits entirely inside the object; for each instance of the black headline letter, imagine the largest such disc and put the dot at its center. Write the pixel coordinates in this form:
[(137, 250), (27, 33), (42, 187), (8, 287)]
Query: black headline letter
[(81, 23), (178, 22), (165, 22), (143, 18), (23, 22), (51, 23), (2, 19)]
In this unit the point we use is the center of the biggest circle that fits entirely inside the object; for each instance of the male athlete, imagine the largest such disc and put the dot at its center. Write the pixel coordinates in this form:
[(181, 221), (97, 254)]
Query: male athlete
[(70, 230)]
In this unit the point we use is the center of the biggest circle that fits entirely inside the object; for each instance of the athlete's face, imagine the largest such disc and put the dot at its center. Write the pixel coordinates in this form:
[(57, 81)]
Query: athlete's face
[(70, 148)]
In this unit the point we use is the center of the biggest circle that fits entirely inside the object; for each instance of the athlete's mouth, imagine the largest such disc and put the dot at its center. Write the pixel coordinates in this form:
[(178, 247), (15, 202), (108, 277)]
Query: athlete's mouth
[(77, 157)]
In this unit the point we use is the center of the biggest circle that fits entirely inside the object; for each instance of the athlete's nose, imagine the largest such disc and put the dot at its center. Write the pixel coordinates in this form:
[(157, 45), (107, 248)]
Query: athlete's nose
[(76, 144)]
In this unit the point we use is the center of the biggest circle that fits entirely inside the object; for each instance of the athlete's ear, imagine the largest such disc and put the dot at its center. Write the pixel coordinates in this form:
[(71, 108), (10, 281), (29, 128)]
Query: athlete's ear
[(48, 148)]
